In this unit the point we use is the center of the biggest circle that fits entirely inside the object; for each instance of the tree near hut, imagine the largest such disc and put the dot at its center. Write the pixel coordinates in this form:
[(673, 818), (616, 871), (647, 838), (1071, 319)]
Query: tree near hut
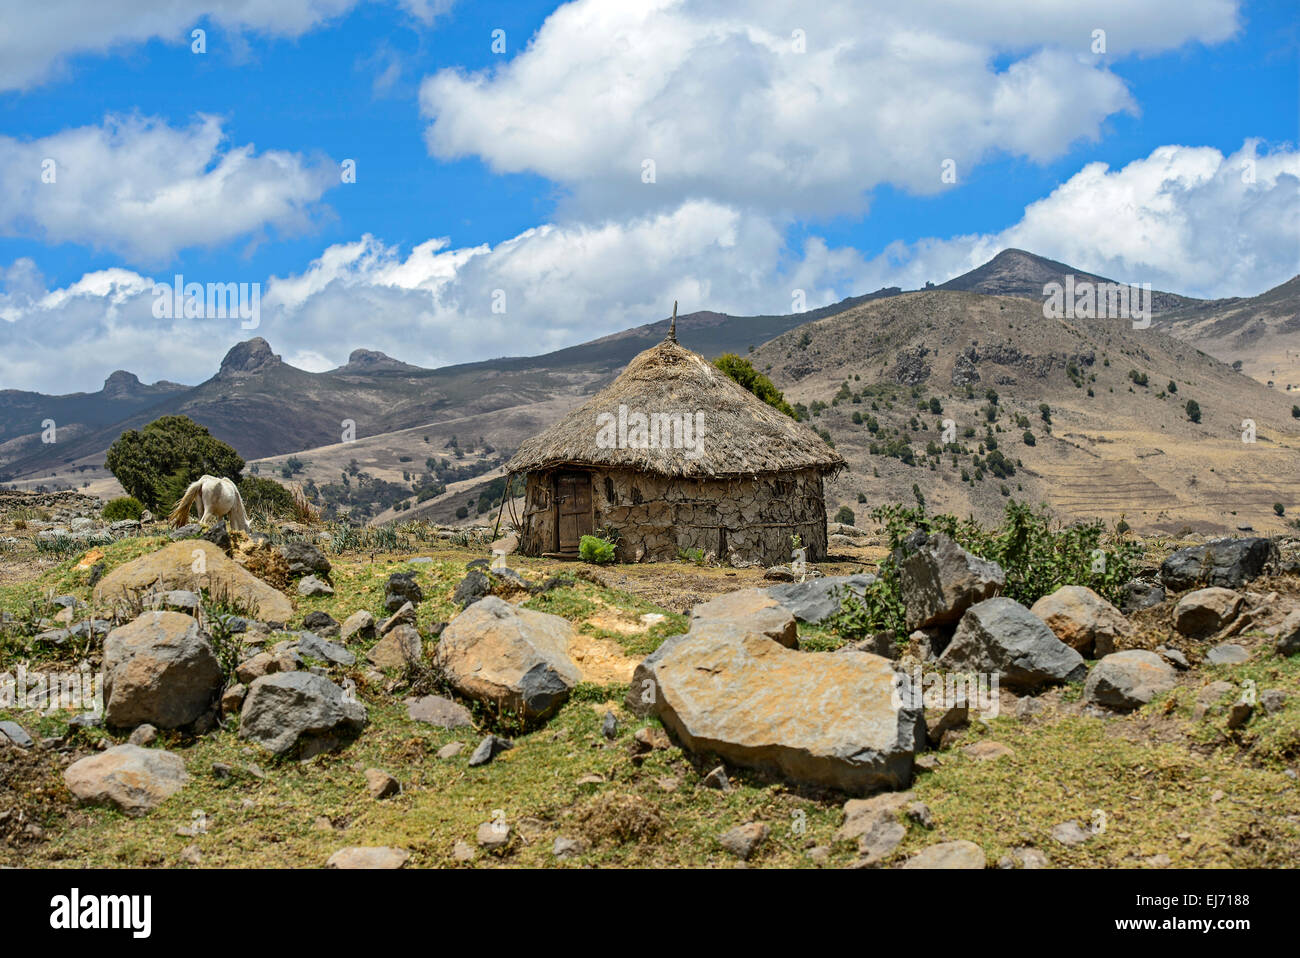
[(156, 464), (744, 373)]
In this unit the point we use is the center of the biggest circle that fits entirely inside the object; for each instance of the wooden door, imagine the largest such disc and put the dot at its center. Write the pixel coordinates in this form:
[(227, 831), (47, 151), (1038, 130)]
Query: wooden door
[(573, 505)]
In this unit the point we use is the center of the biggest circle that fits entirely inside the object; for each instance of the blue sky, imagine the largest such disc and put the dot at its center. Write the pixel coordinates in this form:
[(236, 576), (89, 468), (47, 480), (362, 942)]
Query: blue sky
[(815, 170)]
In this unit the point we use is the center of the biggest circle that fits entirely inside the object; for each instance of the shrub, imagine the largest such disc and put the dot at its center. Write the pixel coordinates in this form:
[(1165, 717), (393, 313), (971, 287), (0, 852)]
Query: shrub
[(123, 507), (169, 452), (266, 497), (743, 372), (1029, 438), (1295, 412), (596, 550), (845, 516), (1279, 508), (1045, 411), (462, 512), (1193, 410)]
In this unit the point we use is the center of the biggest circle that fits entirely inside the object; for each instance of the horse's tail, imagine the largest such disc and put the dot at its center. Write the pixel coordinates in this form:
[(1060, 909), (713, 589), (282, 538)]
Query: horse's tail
[(181, 514)]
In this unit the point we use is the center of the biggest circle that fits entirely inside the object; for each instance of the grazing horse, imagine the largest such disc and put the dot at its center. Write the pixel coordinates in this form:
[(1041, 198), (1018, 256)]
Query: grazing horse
[(219, 498)]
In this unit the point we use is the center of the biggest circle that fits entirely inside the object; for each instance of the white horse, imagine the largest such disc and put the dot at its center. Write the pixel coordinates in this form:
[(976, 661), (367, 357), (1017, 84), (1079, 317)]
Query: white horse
[(220, 499)]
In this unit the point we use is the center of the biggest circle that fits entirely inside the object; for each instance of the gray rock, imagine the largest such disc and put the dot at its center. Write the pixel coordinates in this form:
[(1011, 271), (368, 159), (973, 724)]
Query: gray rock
[(143, 735), (1288, 634), (1228, 563), (160, 669), (1273, 701), (958, 854), (1174, 657), (218, 535), (816, 600), (401, 647), (322, 623), (303, 558), (1139, 595), (941, 580), (133, 779), (368, 858), (360, 624), (1127, 680), (609, 726), (315, 647), (313, 586), (488, 749), (472, 588), (1227, 653), (510, 658), (291, 710), (750, 610), (15, 733), (189, 531), (564, 848), (401, 588), (1000, 635), (123, 527), (1206, 611), (717, 779), (1070, 833), (743, 840), (439, 711), (643, 692)]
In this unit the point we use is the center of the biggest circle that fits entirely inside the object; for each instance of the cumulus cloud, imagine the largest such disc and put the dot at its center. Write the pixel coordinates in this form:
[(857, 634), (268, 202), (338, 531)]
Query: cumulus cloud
[(144, 189), (1186, 219), (37, 44), (796, 108)]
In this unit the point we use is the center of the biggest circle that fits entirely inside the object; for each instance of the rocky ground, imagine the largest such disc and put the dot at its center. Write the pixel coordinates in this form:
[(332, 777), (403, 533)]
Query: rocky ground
[(298, 701)]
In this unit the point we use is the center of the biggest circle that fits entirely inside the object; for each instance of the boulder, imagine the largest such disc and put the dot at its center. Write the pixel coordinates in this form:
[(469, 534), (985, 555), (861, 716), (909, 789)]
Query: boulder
[(1226, 563), (159, 669), (643, 692), (312, 585), (1139, 595), (959, 854), (130, 778), (16, 734), (743, 840), (1083, 620), (368, 858), (298, 709), (1228, 653), (303, 558), (816, 600), (510, 658), (754, 610), (313, 646), (399, 648), (361, 624), (1000, 635), (941, 580), (1206, 611), (401, 588), (403, 616), (194, 565), (322, 623), (823, 719), (1288, 634), (1128, 680), (472, 588), (436, 710)]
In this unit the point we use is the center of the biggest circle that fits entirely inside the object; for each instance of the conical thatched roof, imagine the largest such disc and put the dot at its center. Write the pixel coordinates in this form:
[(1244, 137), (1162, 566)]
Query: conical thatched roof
[(739, 434)]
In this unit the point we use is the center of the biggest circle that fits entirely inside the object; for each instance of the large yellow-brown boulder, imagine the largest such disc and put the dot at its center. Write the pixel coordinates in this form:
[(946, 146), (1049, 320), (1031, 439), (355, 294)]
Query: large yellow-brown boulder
[(195, 564)]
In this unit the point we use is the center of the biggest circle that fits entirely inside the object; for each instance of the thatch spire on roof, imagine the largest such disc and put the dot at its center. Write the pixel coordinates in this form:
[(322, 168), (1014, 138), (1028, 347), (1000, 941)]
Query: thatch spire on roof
[(740, 434), (672, 326)]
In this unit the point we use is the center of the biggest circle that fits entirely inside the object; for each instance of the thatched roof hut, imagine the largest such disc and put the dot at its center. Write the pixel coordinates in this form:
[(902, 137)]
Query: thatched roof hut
[(675, 456)]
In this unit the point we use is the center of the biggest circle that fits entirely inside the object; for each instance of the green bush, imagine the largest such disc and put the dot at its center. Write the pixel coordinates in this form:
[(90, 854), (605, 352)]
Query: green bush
[(743, 372), (596, 550), (123, 507), (462, 512), (1193, 410), (1037, 556), (844, 516), (1029, 438), (1279, 508), (265, 497), (168, 453)]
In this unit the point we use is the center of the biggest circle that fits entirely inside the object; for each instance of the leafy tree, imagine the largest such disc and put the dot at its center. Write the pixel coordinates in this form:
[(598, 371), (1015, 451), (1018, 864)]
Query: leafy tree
[(1279, 508), (844, 516), (1193, 410), (744, 373), (1172, 387), (1029, 438), (264, 496), (167, 454), (1045, 411), (936, 407)]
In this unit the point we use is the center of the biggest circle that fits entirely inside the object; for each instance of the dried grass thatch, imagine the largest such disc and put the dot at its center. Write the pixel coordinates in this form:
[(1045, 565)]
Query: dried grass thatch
[(741, 434)]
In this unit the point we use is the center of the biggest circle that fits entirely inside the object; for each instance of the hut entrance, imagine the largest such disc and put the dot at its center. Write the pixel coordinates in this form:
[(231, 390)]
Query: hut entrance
[(573, 510)]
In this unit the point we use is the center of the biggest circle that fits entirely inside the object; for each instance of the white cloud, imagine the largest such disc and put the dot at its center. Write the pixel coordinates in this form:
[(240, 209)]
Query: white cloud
[(36, 43), (145, 190), (727, 109), (1182, 219)]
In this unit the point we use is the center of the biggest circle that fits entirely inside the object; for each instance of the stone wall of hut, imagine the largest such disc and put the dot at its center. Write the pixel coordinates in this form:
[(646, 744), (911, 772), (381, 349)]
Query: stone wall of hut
[(750, 519)]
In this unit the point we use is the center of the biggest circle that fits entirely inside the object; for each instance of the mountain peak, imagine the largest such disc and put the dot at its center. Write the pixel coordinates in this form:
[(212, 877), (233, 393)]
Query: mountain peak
[(368, 359), (121, 383), (249, 356)]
